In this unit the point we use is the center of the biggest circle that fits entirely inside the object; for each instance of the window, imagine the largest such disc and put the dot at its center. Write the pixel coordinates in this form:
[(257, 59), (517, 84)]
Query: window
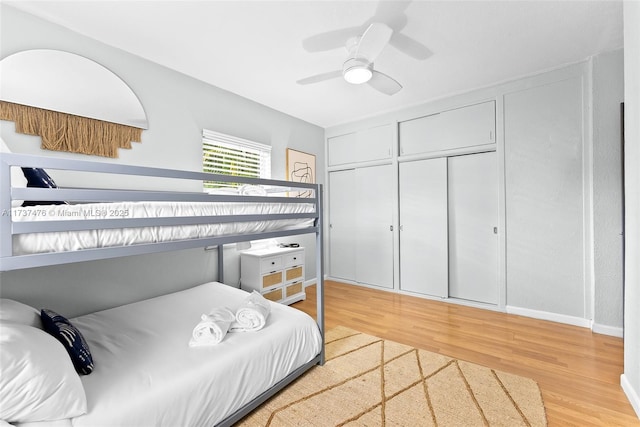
[(228, 155)]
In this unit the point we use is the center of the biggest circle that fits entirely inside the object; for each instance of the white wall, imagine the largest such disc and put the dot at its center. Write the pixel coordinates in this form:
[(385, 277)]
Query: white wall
[(608, 94), (178, 108), (545, 173), (631, 376)]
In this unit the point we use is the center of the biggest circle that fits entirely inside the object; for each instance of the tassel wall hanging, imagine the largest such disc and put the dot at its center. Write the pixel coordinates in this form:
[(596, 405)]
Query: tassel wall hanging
[(67, 132)]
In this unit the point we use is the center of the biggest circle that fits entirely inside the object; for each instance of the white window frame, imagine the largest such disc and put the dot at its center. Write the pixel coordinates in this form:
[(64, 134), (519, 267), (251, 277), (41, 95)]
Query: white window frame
[(229, 146)]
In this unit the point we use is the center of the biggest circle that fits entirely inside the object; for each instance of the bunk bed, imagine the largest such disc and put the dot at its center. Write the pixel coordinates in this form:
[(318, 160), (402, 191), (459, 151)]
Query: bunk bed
[(148, 334)]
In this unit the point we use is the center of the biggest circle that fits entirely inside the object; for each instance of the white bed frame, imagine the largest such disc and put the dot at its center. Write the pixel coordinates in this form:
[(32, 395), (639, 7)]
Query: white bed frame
[(9, 228)]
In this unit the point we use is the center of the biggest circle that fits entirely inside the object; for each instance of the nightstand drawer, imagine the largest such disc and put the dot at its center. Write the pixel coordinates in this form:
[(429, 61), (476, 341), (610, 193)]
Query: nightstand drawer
[(294, 259), (293, 289), (272, 279), (293, 273), (267, 265), (275, 295)]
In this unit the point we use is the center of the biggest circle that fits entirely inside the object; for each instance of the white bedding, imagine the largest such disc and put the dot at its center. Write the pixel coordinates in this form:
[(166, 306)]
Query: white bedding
[(88, 239), (147, 375)]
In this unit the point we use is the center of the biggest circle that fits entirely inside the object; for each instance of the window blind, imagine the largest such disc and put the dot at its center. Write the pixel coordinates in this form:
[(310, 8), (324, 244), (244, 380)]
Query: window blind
[(230, 155)]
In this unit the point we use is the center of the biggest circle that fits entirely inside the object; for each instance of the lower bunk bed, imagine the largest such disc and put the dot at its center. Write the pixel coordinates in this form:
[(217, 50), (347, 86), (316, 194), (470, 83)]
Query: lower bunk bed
[(146, 374)]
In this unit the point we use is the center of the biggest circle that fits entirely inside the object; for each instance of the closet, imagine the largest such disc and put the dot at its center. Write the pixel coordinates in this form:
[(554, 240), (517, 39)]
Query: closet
[(448, 227), (448, 204), (361, 225), (361, 204), (508, 196)]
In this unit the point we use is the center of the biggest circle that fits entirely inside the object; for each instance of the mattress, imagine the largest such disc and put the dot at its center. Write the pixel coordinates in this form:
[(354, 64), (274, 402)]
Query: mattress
[(33, 243), (147, 375)]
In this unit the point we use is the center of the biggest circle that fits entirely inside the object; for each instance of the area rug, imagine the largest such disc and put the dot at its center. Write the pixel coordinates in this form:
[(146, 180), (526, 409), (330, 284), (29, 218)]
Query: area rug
[(369, 381)]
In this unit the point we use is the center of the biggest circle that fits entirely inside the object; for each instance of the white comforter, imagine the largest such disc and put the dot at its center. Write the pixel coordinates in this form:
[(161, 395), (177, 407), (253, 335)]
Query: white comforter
[(147, 375), (88, 239)]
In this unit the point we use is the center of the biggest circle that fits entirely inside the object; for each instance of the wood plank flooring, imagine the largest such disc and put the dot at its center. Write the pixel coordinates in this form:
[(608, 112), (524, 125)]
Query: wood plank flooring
[(578, 371)]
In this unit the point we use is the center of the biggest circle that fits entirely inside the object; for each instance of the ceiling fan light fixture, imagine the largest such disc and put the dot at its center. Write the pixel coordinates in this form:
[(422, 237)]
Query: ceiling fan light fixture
[(357, 71)]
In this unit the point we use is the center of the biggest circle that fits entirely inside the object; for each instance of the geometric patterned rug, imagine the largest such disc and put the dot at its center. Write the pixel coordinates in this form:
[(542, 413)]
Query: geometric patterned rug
[(369, 381)]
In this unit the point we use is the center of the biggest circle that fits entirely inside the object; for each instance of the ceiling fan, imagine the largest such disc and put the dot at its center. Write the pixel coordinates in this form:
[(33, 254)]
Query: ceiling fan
[(364, 43)]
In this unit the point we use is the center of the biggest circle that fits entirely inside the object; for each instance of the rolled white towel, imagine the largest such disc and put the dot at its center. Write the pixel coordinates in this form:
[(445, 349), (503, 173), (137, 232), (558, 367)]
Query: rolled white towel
[(252, 314), (212, 327)]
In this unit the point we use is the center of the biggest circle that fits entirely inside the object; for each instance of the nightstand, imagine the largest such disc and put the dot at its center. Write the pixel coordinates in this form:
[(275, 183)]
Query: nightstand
[(277, 273)]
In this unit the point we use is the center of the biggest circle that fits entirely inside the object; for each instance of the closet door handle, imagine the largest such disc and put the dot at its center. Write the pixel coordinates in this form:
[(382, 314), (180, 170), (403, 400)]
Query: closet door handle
[(391, 228)]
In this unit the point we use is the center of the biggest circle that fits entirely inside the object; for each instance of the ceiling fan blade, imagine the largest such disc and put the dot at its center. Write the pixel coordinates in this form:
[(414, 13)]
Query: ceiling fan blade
[(329, 40), (374, 39), (389, 9), (320, 77), (392, 14), (409, 46), (384, 83)]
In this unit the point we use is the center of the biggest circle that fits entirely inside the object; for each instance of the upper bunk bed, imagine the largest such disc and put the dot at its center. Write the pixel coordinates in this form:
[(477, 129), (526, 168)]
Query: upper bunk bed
[(97, 223), (100, 223)]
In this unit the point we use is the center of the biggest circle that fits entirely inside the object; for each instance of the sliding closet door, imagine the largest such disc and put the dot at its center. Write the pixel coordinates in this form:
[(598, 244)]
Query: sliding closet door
[(374, 218), (342, 222), (423, 227), (473, 216)]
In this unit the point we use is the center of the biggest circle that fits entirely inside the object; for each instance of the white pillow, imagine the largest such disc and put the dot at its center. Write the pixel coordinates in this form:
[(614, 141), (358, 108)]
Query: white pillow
[(252, 190), (17, 177), (227, 190), (17, 312), (37, 378)]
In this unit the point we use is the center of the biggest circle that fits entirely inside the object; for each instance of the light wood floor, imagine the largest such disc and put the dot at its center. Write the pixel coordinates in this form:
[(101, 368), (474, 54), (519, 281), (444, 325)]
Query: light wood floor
[(578, 371)]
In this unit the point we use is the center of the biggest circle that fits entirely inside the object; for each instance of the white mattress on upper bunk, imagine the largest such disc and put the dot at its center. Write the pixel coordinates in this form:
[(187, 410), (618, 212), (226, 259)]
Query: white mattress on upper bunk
[(88, 239), (147, 375)]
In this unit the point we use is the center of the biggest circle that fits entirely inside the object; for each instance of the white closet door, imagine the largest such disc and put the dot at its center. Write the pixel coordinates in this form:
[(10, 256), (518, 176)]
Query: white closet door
[(423, 227), (342, 221), (374, 218), (473, 214), (462, 127), (342, 149), (374, 143), (362, 146)]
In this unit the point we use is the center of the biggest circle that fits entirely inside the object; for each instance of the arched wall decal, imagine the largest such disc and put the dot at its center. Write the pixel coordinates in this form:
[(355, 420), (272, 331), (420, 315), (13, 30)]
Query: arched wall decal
[(73, 103)]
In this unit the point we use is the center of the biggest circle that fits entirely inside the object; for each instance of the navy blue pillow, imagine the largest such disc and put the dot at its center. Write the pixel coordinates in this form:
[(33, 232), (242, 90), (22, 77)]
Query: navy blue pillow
[(37, 177), (71, 339)]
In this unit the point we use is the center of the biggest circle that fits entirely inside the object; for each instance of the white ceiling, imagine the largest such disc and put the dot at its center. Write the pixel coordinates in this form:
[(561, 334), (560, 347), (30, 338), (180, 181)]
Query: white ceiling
[(254, 48)]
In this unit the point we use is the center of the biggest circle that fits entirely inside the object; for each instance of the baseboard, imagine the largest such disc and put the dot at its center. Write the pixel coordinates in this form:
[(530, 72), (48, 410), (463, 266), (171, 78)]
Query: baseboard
[(310, 282), (608, 330), (632, 394), (553, 317)]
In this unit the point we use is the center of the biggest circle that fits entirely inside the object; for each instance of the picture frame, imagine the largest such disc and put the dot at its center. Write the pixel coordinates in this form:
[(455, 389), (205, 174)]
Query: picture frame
[(301, 167)]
